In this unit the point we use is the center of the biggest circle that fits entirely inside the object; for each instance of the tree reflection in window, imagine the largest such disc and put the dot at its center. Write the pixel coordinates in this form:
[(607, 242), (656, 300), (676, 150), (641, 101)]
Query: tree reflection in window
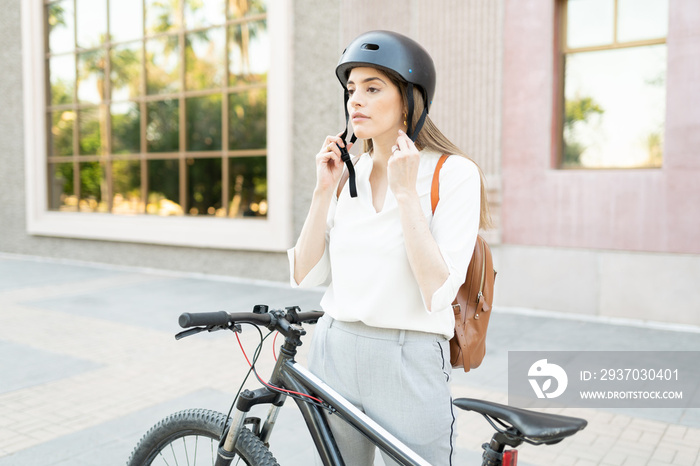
[(126, 182), (163, 188), (248, 120), (61, 187), (93, 189), (204, 123), (204, 186), (157, 106), (248, 187)]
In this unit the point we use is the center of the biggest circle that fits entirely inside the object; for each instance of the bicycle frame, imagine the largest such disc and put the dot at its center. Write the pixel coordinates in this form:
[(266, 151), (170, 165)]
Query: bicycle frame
[(290, 375)]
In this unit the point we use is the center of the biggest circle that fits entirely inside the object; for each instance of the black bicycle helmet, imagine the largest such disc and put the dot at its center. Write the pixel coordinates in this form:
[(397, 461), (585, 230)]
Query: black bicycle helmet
[(395, 54)]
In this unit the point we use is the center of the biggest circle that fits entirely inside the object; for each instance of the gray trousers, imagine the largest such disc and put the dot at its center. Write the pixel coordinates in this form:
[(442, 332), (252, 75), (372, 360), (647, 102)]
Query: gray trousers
[(399, 378)]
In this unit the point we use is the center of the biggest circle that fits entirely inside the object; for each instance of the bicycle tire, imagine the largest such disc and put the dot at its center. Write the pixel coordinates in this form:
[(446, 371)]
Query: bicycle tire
[(186, 433)]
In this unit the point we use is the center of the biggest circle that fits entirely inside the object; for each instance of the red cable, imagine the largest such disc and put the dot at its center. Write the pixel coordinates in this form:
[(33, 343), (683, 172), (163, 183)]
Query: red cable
[(274, 354), (271, 386)]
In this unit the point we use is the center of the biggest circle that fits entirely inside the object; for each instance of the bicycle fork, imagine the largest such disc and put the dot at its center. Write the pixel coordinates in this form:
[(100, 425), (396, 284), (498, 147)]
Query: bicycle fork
[(246, 400)]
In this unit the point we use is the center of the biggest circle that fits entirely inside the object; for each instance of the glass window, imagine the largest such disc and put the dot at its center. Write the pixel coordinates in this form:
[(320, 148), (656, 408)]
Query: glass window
[(62, 79), (91, 23), (126, 128), (60, 18), (91, 129), (125, 73), (92, 187), (157, 107), (163, 128), (125, 20), (248, 60), (163, 65), (589, 22), (246, 121), (61, 192), (204, 13), (204, 186), (204, 58), (204, 123), (248, 187), (61, 134), (642, 19), (126, 181), (91, 77), (614, 83), (162, 16), (163, 188)]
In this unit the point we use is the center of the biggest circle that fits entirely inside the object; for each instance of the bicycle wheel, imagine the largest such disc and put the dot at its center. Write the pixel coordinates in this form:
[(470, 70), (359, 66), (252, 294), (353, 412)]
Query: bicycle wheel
[(191, 437)]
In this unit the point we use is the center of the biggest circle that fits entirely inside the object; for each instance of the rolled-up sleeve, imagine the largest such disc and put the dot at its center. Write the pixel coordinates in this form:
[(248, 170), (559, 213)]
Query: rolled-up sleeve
[(455, 224), (319, 273), (316, 276)]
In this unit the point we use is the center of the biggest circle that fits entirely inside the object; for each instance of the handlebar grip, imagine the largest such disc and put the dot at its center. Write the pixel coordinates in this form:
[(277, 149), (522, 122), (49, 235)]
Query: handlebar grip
[(203, 319)]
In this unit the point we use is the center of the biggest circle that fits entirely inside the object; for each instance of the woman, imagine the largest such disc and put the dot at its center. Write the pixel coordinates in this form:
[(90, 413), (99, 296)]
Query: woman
[(395, 268)]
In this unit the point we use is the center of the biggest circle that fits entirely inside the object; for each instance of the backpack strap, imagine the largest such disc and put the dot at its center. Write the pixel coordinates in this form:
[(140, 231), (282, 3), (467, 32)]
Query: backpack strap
[(435, 188)]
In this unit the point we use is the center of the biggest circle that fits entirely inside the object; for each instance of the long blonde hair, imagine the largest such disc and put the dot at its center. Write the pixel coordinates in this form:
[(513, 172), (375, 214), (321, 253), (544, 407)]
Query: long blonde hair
[(431, 137)]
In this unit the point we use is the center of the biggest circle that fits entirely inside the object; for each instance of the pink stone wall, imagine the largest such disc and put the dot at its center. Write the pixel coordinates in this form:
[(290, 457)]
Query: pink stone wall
[(642, 210)]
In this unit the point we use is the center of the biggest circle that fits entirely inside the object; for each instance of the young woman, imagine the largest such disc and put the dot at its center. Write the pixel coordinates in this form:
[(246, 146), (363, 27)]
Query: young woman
[(395, 268)]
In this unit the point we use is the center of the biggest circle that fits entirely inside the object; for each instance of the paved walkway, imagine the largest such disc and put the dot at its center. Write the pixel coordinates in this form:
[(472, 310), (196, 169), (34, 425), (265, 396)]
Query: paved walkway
[(88, 363)]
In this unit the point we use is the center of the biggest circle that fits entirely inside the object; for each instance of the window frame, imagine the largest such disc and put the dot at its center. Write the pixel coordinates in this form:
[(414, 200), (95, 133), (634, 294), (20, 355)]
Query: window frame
[(561, 49), (272, 233)]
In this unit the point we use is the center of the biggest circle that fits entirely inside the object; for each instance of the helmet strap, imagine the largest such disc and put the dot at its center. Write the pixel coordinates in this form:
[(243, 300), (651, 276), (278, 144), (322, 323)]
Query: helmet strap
[(419, 125), (413, 133), (344, 154), (409, 118)]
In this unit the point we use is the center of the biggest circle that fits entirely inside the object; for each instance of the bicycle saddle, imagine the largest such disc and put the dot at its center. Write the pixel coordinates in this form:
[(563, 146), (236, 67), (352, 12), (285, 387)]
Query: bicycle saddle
[(538, 427)]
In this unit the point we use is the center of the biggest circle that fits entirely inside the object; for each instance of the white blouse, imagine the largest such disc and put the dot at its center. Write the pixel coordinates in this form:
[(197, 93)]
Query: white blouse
[(365, 255)]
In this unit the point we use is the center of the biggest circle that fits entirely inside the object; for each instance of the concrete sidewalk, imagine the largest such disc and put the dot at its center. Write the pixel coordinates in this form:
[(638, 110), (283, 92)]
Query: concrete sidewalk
[(88, 363)]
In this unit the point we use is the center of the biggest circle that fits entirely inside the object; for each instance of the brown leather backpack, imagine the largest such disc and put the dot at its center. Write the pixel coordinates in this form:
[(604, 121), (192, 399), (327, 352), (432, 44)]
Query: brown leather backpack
[(472, 305)]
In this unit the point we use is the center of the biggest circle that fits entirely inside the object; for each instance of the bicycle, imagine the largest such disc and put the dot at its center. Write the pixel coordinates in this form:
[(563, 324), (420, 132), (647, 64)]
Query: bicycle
[(194, 435)]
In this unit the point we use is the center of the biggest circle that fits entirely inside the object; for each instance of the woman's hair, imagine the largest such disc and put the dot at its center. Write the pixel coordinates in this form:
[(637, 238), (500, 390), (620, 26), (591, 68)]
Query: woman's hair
[(430, 137)]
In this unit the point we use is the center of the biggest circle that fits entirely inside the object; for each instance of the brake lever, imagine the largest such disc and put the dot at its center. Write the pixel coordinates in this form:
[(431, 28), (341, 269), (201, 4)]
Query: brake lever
[(190, 332), (213, 328), (235, 328)]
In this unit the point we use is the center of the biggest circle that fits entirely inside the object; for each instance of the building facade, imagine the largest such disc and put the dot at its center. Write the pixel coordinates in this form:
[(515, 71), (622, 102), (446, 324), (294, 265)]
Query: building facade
[(173, 136)]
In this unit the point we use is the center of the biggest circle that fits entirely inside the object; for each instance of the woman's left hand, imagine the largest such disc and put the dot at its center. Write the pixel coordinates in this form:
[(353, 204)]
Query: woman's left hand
[(402, 170)]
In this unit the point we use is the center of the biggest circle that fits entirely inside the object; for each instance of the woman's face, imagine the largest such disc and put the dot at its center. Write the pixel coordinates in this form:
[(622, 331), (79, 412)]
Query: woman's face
[(375, 105)]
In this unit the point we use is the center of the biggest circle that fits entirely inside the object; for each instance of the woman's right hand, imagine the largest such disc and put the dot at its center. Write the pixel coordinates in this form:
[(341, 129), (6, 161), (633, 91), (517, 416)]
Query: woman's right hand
[(329, 166)]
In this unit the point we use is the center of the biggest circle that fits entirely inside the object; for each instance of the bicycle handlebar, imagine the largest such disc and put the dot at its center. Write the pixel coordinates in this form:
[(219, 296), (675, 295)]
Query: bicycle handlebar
[(223, 318)]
